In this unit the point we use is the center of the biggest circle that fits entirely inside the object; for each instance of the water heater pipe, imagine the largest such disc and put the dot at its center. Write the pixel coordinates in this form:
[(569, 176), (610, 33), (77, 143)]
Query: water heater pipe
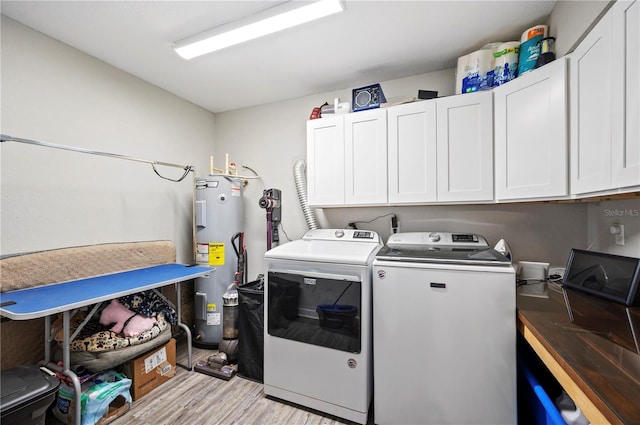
[(299, 176), (230, 170)]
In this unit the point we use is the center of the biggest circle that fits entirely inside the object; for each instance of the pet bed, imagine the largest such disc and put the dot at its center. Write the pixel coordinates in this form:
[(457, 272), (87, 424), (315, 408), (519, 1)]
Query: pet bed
[(97, 348)]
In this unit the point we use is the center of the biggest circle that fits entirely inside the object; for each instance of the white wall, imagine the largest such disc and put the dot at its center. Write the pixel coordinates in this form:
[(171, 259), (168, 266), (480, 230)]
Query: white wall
[(603, 214), (53, 198), (571, 20), (535, 232)]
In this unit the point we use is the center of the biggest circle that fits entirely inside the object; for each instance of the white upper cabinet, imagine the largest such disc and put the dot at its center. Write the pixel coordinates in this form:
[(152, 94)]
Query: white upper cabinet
[(347, 159), (441, 150), (509, 144), (530, 115), (412, 153), (438, 150), (366, 157), (626, 94), (605, 141), (591, 102), (465, 148), (325, 161)]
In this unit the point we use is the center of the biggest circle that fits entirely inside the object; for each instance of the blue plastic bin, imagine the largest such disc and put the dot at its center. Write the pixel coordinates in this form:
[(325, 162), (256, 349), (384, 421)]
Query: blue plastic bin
[(540, 409)]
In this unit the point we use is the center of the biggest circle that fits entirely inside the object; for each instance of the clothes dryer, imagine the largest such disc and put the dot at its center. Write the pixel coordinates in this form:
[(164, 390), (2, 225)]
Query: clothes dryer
[(317, 338)]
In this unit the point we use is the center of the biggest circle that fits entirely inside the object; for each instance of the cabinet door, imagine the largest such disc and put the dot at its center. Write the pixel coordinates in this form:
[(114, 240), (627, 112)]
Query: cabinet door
[(625, 144), (465, 147), (412, 152), (591, 102), (531, 135), (325, 161), (366, 157)]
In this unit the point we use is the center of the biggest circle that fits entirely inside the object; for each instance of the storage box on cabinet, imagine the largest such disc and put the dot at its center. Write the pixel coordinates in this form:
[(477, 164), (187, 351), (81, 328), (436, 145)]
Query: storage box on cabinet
[(605, 116)]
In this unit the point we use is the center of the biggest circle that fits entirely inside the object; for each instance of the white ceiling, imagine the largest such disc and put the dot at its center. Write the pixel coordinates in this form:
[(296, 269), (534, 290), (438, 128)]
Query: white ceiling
[(371, 41)]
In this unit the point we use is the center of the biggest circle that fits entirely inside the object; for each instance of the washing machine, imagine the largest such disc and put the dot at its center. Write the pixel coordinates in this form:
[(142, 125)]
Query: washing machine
[(444, 320), (318, 335)]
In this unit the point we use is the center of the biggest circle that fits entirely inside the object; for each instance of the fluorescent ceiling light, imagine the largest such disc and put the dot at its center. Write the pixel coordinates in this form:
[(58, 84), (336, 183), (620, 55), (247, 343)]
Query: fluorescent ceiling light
[(267, 22)]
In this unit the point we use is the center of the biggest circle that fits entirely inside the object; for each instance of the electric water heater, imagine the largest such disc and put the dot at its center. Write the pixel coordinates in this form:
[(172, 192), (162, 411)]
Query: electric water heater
[(218, 220)]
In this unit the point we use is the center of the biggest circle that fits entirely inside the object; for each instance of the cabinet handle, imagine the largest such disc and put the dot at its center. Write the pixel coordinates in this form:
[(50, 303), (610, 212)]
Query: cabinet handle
[(438, 285)]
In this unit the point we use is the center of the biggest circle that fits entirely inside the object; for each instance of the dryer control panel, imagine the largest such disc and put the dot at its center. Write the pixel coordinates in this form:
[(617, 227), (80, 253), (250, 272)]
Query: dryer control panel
[(363, 234), (345, 235)]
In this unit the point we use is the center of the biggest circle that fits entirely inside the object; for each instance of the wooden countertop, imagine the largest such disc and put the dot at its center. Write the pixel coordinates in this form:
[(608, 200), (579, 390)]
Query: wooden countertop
[(595, 356)]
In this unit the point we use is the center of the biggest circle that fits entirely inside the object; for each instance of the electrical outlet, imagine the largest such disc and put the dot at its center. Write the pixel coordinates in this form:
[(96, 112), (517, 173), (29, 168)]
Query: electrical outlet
[(394, 224), (617, 230), (620, 236)]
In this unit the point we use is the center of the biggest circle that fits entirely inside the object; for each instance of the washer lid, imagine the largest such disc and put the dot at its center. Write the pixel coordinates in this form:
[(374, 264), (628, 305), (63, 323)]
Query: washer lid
[(441, 247), (344, 246)]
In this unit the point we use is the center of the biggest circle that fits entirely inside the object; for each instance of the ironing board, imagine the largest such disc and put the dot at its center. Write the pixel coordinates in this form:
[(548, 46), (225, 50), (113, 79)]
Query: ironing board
[(47, 300)]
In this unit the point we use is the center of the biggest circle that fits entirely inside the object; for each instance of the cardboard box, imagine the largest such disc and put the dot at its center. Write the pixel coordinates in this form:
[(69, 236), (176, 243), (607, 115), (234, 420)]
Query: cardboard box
[(151, 369)]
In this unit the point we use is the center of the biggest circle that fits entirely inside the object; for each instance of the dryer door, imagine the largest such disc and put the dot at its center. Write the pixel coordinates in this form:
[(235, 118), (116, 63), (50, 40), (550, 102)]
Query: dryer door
[(315, 308)]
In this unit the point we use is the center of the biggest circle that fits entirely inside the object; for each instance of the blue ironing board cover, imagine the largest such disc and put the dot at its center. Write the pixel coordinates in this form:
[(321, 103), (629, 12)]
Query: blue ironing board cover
[(55, 298)]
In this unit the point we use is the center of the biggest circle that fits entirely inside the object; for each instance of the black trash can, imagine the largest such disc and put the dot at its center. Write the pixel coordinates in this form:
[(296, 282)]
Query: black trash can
[(251, 330), (26, 394)]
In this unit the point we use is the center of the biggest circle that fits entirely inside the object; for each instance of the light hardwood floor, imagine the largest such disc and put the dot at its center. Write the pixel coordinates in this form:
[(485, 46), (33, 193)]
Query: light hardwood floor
[(192, 398)]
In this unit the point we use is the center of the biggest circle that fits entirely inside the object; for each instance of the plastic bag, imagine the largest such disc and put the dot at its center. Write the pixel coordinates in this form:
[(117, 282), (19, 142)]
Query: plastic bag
[(96, 397)]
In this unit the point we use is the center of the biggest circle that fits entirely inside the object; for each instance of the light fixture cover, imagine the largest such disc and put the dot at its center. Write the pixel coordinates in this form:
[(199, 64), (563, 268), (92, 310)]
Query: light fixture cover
[(274, 19)]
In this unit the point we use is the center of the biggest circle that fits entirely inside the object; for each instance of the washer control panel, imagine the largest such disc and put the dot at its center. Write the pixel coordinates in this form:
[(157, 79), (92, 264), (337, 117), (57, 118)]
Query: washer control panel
[(463, 240)]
